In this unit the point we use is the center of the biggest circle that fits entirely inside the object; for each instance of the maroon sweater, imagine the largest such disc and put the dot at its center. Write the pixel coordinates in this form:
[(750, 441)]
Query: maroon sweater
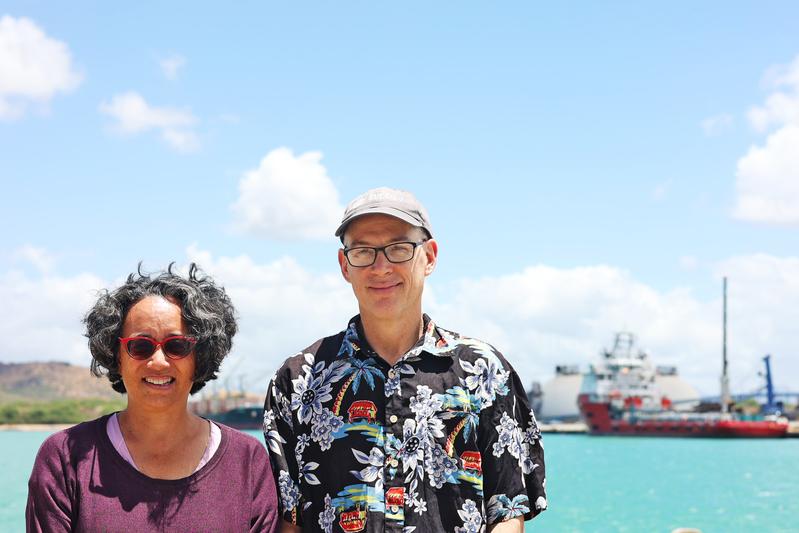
[(80, 483)]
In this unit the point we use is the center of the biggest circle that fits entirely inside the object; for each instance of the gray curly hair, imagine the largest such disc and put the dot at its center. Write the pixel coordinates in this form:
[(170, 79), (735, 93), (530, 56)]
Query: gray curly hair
[(207, 312)]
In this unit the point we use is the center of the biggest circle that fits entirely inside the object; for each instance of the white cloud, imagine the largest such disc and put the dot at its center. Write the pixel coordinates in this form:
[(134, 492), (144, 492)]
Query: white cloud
[(543, 316), (539, 317), (181, 140), (33, 67), (288, 197), (767, 184), (781, 107), (767, 178), (763, 293), (717, 124), (134, 115), (171, 66), (282, 308), (40, 258), (40, 319)]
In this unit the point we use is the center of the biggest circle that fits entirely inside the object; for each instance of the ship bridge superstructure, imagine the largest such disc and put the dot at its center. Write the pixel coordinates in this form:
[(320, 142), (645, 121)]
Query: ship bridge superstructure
[(624, 376)]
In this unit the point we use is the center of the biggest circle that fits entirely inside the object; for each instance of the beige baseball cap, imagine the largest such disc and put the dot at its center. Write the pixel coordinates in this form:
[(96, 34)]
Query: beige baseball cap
[(393, 202)]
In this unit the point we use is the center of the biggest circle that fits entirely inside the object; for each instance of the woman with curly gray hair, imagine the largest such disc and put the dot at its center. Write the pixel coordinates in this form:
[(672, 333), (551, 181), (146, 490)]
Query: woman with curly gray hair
[(155, 465)]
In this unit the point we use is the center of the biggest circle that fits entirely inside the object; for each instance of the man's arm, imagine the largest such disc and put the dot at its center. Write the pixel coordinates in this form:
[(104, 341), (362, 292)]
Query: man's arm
[(514, 525), (513, 477), (285, 527), (280, 438)]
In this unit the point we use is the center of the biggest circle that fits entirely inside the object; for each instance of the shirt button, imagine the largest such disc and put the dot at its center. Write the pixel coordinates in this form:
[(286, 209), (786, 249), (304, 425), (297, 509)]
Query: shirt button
[(392, 374), (394, 509), (394, 463), (393, 419)]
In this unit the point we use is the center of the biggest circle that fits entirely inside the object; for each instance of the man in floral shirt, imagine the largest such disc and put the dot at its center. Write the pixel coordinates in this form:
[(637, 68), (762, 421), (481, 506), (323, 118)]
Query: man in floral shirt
[(396, 424)]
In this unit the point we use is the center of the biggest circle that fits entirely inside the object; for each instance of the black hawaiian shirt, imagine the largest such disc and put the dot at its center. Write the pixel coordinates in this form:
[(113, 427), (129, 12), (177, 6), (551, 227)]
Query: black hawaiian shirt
[(443, 440)]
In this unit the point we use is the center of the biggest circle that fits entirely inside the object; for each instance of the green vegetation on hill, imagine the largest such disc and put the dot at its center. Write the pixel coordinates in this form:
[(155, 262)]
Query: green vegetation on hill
[(57, 411)]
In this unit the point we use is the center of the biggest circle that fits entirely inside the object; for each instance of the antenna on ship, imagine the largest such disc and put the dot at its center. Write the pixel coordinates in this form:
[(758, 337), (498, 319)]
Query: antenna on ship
[(725, 380)]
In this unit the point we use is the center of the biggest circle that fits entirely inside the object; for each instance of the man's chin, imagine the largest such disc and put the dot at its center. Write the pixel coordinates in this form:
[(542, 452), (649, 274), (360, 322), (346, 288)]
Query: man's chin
[(383, 308)]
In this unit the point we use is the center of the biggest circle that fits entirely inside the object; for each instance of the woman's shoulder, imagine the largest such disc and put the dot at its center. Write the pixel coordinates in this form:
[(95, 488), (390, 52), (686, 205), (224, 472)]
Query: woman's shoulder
[(82, 434), (238, 446), (66, 450), (238, 439)]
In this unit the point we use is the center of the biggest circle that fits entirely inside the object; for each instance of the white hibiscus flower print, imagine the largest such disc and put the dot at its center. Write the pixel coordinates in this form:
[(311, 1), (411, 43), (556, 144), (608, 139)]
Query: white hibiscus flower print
[(439, 466), (413, 500), (425, 403), (411, 452), (487, 379), (314, 386), (289, 491), (512, 440), (533, 432), (323, 425), (309, 393), (472, 519), (328, 516), (273, 438), (374, 470)]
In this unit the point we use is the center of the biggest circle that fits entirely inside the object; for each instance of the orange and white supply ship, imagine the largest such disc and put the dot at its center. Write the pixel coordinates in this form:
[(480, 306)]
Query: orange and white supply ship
[(619, 397)]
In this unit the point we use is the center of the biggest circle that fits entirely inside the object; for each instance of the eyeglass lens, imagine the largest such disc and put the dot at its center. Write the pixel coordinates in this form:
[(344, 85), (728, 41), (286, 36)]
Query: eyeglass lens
[(143, 348), (395, 253)]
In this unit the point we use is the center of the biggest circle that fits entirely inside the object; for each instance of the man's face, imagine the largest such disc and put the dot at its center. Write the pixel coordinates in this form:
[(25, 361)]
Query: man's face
[(387, 290)]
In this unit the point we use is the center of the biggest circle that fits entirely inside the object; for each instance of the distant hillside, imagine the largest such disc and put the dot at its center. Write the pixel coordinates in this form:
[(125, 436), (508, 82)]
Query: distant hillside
[(51, 381)]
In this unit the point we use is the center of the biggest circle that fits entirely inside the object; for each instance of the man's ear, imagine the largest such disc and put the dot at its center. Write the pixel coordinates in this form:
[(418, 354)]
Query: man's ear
[(430, 248), (345, 266)]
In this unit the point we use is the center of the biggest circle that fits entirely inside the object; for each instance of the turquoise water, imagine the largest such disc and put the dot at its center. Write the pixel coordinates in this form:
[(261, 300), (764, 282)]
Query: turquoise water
[(596, 484)]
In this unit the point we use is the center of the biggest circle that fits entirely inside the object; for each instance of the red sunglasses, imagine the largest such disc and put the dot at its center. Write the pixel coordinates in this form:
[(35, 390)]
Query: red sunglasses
[(175, 347)]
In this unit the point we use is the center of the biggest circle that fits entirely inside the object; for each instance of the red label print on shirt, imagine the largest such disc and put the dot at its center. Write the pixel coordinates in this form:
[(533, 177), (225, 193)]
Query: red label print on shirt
[(364, 410), (395, 496), (353, 520), (472, 461)]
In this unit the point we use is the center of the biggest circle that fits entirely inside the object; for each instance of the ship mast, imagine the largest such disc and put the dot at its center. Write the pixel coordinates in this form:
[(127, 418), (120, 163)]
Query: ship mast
[(725, 380)]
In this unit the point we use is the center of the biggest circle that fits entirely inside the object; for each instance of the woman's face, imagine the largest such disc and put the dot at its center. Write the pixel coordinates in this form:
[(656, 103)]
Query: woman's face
[(158, 383)]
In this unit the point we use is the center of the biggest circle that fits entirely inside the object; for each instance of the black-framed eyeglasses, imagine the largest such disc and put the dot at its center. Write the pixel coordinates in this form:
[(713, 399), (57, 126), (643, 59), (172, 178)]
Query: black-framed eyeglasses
[(396, 252)]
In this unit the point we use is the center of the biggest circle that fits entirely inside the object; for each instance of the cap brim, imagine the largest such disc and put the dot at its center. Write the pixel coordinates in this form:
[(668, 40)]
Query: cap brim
[(381, 210)]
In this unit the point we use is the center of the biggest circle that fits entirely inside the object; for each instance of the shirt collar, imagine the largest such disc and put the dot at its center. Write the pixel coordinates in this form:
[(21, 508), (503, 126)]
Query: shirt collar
[(433, 341)]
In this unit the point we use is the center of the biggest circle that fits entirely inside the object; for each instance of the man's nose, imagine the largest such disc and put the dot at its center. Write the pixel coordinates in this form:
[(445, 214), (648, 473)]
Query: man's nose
[(381, 262)]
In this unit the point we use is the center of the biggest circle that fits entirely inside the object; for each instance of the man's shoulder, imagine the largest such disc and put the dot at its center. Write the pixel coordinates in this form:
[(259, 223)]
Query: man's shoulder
[(323, 349), (464, 346), (471, 351)]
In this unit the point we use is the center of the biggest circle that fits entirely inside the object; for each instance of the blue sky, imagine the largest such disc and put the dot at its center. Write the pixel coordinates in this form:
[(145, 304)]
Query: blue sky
[(592, 160)]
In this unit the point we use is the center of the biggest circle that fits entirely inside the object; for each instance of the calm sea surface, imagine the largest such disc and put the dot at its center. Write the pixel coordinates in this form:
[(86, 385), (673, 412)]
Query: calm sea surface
[(596, 484)]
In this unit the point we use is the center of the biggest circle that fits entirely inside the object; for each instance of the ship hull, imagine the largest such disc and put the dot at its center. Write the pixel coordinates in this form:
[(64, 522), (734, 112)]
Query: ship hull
[(601, 419), (241, 418)]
